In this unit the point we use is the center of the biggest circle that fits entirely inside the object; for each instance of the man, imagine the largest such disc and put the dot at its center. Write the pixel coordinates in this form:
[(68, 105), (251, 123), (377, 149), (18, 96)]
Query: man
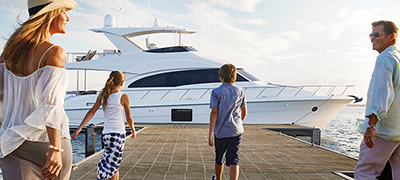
[(381, 141)]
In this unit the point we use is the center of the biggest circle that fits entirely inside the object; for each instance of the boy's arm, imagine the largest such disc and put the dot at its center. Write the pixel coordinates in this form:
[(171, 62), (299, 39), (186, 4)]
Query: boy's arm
[(213, 119), (244, 112)]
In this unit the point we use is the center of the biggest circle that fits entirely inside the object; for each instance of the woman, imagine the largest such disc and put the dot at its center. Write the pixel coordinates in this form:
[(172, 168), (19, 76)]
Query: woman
[(115, 104), (34, 135)]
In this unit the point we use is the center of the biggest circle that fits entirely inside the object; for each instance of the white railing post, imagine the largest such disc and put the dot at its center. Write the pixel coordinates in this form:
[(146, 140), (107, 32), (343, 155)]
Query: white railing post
[(184, 94), (145, 94), (280, 92), (165, 94), (261, 92), (345, 90), (315, 92), (299, 91), (332, 89)]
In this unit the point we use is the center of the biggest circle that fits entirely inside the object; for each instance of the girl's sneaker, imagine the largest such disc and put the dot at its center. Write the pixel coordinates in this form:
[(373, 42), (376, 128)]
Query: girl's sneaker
[(213, 178)]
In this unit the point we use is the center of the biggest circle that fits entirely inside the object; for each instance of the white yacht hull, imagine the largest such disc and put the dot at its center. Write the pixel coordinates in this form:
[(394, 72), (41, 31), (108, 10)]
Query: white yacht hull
[(268, 111)]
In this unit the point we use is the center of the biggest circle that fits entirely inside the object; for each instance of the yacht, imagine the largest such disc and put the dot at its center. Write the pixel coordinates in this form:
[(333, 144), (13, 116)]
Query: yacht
[(173, 84)]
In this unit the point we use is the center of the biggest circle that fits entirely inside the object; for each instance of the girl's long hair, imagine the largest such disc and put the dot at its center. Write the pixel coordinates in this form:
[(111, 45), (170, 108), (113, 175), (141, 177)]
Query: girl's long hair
[(115, 79), (25, 39)]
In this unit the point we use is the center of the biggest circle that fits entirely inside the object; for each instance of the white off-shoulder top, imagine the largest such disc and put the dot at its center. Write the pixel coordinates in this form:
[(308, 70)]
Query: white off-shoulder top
[(31, 103)]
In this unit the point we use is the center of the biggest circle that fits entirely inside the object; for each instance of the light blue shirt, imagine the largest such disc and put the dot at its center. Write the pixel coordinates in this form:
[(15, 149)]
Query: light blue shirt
[(229, 99), (383, 97)]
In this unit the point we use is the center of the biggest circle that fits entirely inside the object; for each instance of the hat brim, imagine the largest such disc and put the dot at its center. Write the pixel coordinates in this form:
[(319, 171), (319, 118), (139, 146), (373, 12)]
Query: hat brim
[(69, 4)]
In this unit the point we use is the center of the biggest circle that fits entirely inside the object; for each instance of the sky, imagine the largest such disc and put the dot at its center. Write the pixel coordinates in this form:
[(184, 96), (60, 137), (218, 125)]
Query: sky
[(290, 42)]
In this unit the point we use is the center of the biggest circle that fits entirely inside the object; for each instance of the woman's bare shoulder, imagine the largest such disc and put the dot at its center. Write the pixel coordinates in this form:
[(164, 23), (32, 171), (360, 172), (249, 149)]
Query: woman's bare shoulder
[(55, 57)]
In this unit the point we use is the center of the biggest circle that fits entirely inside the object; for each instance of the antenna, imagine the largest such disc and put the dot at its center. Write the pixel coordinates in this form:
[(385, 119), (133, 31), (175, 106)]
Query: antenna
[(120, 15), (148, 11)]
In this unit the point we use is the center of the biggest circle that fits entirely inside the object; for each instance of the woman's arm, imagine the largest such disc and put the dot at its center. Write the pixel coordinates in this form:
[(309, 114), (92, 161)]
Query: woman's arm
[(87, 117), (51, 169), (129, 120), (54, 161)]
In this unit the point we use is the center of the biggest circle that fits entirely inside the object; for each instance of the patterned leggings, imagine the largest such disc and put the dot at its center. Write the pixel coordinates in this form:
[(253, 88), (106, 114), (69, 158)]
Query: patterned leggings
[(110, 162)]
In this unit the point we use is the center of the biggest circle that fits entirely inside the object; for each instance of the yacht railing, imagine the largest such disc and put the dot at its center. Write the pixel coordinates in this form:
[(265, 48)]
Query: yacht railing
[(72, 56), (251, 92)]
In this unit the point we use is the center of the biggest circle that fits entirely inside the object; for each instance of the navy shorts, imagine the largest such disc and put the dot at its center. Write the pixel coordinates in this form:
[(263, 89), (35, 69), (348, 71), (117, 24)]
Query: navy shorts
[(227, 149)]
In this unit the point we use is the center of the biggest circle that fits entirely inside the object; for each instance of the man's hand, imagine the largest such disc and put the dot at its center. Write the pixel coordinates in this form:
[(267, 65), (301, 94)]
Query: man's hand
[(369, 137)]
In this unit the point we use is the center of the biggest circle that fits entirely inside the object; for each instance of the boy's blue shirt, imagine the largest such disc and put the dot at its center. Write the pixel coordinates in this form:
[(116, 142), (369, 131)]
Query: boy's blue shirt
[(229, 99)]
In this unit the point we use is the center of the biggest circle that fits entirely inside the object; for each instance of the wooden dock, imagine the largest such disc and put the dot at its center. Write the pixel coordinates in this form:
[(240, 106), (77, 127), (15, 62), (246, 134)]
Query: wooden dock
[(182, 152)]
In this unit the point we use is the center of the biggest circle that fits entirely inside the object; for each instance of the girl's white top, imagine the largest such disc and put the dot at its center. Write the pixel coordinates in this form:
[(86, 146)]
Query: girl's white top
[(114, 114), (30, 104)]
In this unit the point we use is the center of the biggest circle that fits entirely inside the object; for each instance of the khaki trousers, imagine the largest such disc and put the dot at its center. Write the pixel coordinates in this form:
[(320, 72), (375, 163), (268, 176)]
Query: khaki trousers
[(27, 161), (371, 162)]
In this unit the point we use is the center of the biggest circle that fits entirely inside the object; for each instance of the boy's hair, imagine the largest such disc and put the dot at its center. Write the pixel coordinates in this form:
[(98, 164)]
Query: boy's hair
[(227, 72)]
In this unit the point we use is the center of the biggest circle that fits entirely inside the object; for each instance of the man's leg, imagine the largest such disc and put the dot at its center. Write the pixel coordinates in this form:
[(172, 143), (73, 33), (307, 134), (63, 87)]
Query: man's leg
[(395, 163), (234, 172), (218, 171), (372, 161)]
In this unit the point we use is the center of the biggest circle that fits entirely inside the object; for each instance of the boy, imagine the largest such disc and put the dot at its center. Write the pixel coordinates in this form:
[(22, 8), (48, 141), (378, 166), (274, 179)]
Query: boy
[(228, 109)]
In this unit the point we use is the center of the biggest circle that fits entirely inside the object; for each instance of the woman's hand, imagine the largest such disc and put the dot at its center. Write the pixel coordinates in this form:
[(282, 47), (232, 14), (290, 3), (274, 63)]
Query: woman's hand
[(133, 133), (53, 165), (75, 135)]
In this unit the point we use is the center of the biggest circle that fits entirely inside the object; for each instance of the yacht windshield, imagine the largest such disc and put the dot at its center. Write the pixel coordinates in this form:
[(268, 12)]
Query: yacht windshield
[(181, 78), (248, 75)]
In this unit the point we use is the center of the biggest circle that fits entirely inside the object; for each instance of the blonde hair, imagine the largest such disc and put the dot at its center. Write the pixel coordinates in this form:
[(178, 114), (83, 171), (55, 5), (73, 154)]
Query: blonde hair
[(115, 79), (227, 72), (25, 39)]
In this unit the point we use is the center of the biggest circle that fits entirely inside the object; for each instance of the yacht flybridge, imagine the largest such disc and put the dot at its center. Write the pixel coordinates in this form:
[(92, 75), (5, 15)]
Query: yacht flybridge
[(173, 85)]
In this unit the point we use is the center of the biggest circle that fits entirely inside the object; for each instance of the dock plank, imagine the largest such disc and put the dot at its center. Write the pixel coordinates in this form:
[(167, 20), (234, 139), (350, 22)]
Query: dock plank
[(182, 152)]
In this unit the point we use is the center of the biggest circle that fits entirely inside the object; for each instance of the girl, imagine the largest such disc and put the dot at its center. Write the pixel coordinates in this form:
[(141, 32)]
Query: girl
[(114, 104), (33, 83)]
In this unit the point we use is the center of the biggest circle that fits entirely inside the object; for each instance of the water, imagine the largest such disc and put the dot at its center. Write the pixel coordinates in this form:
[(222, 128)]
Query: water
[(341, 134), (78, 147)]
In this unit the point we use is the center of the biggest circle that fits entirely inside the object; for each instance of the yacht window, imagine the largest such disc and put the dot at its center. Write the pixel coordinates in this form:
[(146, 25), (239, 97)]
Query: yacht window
[(248, 75), (180, 78)]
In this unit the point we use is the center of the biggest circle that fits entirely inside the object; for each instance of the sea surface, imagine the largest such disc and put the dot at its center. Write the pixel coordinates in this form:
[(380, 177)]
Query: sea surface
[(340, 135)]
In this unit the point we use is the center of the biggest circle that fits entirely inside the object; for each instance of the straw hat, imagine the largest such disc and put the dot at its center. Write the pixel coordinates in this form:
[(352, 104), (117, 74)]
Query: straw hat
[(39, 7)]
